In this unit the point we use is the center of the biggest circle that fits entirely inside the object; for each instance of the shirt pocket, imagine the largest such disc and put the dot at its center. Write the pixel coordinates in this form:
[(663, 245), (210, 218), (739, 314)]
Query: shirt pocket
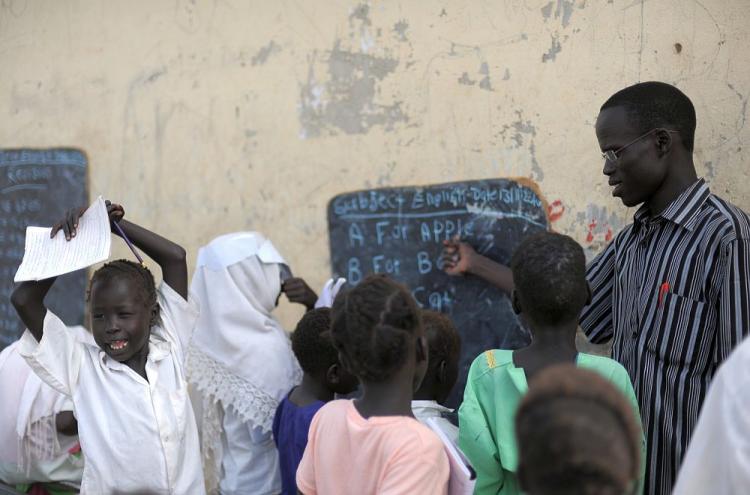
[(680, 335)]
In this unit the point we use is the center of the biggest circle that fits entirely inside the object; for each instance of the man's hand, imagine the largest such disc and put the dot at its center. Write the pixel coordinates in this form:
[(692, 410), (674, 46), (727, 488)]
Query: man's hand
[(458, 257), (297, 291)]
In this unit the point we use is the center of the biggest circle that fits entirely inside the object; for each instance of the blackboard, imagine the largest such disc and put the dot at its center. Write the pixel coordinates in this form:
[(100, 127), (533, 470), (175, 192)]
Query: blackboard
[(36, 188), (400, 231)]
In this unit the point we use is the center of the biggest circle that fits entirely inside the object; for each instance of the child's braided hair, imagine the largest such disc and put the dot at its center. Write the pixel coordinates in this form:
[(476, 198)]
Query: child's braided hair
[(137, 273), (577, 434), (372, 324)]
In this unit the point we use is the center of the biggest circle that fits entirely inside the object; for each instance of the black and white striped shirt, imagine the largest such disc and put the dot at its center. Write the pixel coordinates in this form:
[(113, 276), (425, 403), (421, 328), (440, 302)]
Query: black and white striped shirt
[(674, 293)]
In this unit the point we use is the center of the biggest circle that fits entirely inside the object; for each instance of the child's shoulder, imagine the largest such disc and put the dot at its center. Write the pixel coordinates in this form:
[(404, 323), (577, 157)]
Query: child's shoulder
[(604, 365), (490, 360), (334, 409)]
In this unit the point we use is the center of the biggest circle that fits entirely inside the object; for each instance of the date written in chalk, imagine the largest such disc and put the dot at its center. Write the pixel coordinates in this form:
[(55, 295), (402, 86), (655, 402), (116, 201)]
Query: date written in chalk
[(437, 231)]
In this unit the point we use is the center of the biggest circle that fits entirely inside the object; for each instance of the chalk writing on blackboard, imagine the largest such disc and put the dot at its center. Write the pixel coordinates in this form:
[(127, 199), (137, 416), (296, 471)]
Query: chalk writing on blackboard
[(36, 188), (400, 231)]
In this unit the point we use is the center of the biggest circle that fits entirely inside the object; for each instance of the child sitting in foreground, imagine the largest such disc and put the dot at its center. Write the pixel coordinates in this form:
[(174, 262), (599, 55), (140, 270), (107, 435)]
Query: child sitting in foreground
[(442, 371), (323, 377), (129, 392), (374, 444), (549, 271), (577, 435)]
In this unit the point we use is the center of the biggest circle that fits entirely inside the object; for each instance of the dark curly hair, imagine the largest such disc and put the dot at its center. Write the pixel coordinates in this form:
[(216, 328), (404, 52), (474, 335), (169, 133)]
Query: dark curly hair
[(137, 273), (312, 343), (372, 325), (577, 434), (653, 104), (549, 273), (442, 338)]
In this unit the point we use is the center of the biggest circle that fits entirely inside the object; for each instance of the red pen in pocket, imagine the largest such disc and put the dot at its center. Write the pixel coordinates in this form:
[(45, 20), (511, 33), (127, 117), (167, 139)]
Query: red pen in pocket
[(662, 291)]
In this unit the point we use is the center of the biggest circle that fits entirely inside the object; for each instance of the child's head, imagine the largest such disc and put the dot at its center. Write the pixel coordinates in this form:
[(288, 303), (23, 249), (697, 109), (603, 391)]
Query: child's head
[(549, 273), (444, 349), (313, 347), (577, 434), (377, 330), (123, 307)]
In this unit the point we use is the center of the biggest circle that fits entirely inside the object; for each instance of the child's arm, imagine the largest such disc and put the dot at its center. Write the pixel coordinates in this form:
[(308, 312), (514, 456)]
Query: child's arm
[(28, 300), (459, 258), (297, 291), (170, 257)]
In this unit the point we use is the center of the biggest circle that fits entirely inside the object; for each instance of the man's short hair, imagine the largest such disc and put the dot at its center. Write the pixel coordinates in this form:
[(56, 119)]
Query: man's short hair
[(656, 104)]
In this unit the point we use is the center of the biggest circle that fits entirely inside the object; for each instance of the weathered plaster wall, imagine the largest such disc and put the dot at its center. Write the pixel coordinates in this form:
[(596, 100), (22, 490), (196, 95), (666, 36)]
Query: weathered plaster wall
[(204, 117)]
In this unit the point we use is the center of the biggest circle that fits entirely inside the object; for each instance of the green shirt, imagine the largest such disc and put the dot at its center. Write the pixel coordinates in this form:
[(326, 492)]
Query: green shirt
[(486, 417)]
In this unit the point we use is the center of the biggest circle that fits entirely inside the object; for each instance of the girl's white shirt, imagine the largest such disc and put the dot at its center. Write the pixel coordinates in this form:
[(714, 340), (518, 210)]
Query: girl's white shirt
[(136, 436)]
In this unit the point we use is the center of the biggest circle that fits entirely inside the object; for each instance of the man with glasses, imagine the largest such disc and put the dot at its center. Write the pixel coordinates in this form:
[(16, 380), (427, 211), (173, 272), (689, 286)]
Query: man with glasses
[(672, 290)]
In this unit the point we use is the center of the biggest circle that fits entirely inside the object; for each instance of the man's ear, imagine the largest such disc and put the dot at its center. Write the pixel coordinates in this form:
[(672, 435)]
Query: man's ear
[(421, 349), (588, 293), (333, 374), (442, 371), (664, 140), (515, 302)]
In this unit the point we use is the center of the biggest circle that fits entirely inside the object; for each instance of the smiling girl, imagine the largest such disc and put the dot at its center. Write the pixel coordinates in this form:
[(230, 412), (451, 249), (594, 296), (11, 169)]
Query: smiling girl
[(128, 386)]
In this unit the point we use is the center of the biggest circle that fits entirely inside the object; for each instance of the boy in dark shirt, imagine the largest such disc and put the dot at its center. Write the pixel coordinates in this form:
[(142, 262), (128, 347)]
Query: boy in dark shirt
[(323, 377)]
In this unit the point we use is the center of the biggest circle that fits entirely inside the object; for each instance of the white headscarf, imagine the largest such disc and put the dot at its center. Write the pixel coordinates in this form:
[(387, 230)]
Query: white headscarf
[(239, 354)]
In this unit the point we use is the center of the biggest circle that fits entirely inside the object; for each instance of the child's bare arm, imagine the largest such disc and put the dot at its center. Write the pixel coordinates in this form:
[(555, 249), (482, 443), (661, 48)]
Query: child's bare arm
[(171, 257), (297, 291), (459, 258), (28, 300)]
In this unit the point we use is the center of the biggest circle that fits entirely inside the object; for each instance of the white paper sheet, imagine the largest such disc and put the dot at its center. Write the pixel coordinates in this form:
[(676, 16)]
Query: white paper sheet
[(462, 477), (44, 257)]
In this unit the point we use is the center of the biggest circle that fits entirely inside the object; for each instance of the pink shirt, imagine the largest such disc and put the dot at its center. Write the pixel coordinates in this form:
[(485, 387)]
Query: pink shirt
[(388, 455)]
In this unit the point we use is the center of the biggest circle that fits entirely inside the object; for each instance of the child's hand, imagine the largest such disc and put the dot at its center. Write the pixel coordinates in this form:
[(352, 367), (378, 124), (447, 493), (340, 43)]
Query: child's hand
[(458, 257), (116, 213), (68, 224), (297, 291)]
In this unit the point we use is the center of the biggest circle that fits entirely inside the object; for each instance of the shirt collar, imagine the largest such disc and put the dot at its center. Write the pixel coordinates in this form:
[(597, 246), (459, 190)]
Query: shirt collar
[(683, 210), (429, 408)]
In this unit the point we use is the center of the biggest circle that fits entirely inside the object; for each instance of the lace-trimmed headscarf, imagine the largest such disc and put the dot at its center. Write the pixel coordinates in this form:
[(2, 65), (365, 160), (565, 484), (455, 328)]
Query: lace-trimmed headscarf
[(239, 357)]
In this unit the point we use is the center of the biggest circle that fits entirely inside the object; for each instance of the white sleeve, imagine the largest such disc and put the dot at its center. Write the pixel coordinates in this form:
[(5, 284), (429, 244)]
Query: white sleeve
[(718, 457), (57, 358), (178, 318)]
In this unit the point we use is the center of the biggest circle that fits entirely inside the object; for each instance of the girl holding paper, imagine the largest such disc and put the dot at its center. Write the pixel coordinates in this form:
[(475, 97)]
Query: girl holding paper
[(128, 387)]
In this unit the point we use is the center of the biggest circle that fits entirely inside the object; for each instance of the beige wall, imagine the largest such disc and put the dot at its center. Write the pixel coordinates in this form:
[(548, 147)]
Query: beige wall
[(204, 117)]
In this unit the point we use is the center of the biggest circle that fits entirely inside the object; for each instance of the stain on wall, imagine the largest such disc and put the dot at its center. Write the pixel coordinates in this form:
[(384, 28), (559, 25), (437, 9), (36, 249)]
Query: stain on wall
[(209, 117)]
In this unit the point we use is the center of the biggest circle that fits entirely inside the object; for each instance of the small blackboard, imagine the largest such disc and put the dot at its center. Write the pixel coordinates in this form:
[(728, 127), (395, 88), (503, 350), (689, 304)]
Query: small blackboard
[(400, 231), (36, 188)]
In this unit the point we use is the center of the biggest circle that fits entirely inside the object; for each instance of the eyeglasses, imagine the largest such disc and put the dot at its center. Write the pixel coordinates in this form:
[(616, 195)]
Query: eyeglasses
[(614, 155)]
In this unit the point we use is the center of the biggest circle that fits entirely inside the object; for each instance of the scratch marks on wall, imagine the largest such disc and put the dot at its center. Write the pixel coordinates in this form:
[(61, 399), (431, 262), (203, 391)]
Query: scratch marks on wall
[(400, 29), (483, 78), (563, 10), (343, 90), (262, 55), (522, 134), (599, 226), (553, 50)]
